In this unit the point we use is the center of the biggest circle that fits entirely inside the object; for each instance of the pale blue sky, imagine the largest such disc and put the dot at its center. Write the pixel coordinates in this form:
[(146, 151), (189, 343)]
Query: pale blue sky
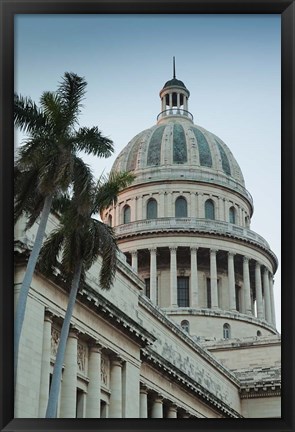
[(230, 64)]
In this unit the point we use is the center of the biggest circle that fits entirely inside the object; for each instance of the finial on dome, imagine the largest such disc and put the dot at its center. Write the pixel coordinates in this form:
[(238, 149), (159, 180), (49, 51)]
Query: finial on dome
[(174, 74)]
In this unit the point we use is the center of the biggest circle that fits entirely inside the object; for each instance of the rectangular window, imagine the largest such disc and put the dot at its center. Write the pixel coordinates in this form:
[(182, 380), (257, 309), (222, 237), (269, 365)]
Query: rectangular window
[(80, 404), (147, 288), (208, 293), (237, 297), (183, 291), (103, 409)]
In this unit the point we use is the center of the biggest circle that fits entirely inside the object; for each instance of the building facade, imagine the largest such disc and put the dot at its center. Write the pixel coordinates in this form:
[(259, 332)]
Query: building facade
[(189, 328)]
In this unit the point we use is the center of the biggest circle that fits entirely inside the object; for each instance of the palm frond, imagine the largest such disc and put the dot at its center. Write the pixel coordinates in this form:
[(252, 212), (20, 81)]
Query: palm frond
[(71, 91), (83, 184), (27, 116), (91, 141), (27, 199), (52, 107), (105, 244), (108, 188), (48, 258)]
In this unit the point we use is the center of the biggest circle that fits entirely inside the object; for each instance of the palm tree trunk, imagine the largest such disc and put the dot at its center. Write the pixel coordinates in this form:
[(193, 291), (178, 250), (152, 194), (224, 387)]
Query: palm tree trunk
[(25, 287), (57, 371)]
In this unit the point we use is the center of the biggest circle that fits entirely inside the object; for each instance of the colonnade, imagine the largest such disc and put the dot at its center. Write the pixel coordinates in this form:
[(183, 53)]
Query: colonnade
[(265, 307), (123, 379), (167, 101), (152, 405)]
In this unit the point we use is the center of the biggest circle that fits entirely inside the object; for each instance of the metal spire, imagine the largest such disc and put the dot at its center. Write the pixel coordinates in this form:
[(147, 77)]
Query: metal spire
[(174, 74)]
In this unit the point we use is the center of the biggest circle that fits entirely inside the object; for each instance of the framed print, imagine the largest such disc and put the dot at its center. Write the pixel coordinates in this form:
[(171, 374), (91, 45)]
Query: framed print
[(147, 150)]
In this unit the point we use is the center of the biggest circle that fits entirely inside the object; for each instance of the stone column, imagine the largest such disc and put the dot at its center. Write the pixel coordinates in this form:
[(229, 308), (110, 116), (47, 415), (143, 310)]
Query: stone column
[(134, 260), (115, 410), (220, 208), (231, 282), (157, 407), (143, 413), (247, 291), (178, 100), (213, 279), (69, 379), (139, 208), (226, 209), (161, 207), (172, 411), (170, 206), (153, 275), (118, 214), (193, 209), (45, 365), (272, 300), (259, 301), (267, 296), (173, 277), (201, 212), (130, 390), (94, 374), (194, 289)]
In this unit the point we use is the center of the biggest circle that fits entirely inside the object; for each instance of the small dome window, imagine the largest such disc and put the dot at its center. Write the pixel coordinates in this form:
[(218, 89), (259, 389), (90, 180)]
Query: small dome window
[(259, 333), (232, 215), (185, 326), (180, 207), (226, 331), (126, 214), (152, 209), (209, 209)]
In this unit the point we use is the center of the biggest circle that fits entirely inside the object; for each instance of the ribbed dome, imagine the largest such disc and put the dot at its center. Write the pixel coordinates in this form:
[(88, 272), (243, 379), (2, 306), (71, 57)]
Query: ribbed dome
[(174, 82), (177, 149), (179, 144)]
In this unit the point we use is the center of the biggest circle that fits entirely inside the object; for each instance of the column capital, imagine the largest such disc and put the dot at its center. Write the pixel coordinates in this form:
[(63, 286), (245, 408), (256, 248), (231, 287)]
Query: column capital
[(116, 360), (95, 346), (134, 252), (153, 250), (213, 250), (194, 249), (246, 260), (258, 264), (143, 388), (74, 332), (173, 249), (231, 254), (158, 397), (48, 315)]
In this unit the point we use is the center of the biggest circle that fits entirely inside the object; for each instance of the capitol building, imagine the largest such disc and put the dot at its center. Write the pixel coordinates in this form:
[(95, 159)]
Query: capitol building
[(189, 328)]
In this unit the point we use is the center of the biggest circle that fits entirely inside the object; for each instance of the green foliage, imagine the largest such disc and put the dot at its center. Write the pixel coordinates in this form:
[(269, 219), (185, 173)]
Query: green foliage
[(82, 238)]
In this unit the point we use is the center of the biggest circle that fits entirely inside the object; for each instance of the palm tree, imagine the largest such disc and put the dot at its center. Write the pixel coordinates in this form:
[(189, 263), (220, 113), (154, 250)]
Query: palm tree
[(73, 247), (48, 164)]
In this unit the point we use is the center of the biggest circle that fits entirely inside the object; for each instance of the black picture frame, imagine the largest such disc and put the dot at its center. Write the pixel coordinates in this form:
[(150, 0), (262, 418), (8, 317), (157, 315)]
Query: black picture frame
[(8, 10)]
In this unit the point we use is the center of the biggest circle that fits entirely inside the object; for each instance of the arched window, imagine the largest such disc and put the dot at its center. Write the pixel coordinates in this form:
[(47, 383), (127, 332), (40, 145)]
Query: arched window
[(152, 209), (126, 214), (226, 331), (232, 215), (259, 333), (180, 207), (185, 326), (209, 209), (247, 221)]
